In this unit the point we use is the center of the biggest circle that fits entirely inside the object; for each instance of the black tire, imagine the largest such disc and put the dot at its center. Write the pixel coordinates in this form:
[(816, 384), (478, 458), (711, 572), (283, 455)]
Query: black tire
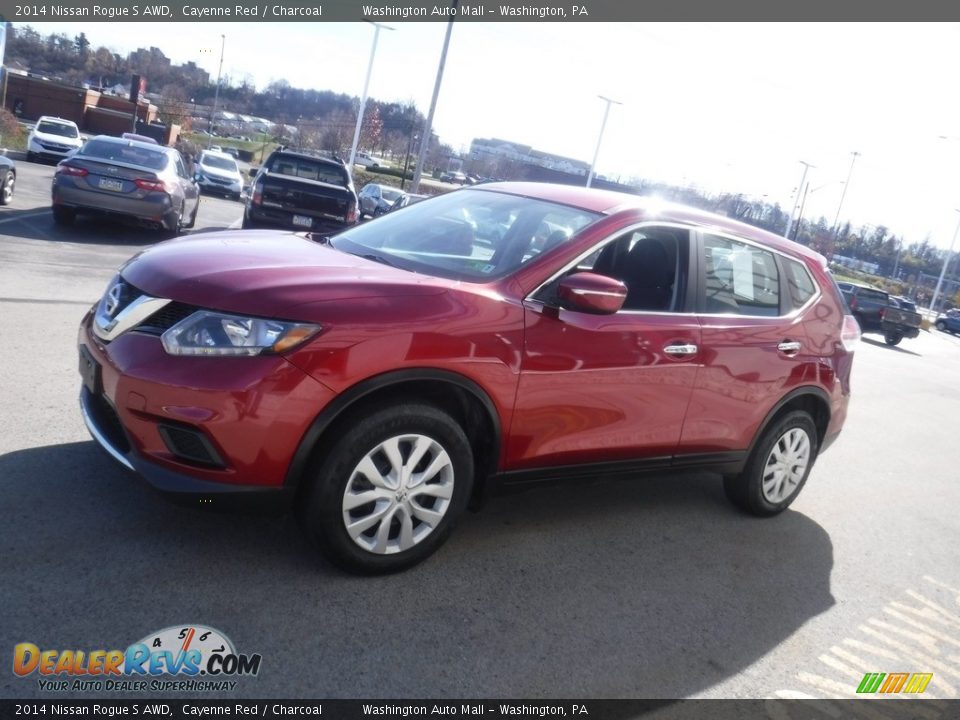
[(941, 326), (31, 157), (193, 217), (892, 338), (746, 490), (328, 477), (7, 186), (64, 215), (176, 226), (247, 223)]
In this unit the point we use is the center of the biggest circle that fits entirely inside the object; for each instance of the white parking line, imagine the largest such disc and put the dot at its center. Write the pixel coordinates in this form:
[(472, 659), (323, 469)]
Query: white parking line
[(25, 216)]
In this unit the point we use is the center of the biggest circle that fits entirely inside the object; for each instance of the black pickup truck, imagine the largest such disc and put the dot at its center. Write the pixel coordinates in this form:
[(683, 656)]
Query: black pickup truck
[(876, 311), (301, 191)]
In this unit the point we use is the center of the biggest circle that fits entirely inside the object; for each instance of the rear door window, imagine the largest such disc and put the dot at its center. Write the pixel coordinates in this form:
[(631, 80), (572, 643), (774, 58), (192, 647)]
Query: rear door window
[(740, 279)]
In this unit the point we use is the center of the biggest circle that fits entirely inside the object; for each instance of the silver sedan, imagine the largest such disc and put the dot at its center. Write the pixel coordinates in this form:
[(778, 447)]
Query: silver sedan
[(126, 178)]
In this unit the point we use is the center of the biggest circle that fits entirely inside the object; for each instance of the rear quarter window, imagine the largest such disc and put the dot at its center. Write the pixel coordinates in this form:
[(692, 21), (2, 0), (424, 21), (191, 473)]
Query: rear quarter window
[(800, 285)]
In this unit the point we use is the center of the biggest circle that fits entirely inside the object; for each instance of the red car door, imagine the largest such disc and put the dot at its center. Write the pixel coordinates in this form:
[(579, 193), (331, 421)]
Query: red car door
[(753, 348), (605, 388)]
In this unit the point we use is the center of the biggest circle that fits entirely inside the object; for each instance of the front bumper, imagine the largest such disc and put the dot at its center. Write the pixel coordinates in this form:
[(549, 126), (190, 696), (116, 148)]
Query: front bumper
[(250, 416), (221, 188)]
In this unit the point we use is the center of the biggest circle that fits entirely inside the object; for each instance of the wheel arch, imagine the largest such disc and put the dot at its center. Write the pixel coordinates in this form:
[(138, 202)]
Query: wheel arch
[(456, 394), (811, 399)]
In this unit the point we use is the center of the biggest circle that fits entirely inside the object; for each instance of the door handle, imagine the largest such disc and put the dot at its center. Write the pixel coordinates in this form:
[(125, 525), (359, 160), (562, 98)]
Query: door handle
[(789, 347), (681, 350)]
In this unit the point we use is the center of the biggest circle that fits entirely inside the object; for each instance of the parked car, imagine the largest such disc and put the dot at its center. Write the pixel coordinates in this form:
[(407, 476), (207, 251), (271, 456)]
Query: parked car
[(457, 178), (8, 179), (406, 199), (366, 160), (139, 138), (381, 379), (375, 199), (232, 152), (876, 311), (53, 138), (128, 179), (949, 322), (301, 191), (217, 172)]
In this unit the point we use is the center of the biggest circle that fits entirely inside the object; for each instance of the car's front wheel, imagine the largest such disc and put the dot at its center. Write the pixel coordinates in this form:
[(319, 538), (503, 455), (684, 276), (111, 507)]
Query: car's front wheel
[(387, 494), (941, 326), (777, 468)]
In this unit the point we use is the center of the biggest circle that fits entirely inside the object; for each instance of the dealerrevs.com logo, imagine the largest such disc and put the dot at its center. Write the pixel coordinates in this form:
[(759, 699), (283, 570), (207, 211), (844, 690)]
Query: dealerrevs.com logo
[(201, 658)]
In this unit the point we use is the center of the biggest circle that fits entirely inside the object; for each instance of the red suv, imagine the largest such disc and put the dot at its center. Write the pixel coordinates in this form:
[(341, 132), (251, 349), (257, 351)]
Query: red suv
[(382, 379)]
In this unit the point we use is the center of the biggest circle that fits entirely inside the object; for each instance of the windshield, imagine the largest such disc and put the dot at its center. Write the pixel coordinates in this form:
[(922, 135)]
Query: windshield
[(55, 128), (126, 153), (391, 195), (466, 235), (220, 163)]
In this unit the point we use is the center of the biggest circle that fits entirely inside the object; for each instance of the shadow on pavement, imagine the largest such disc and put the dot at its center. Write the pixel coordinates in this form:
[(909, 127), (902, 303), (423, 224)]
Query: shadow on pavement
[(895, 348), (650, 588)]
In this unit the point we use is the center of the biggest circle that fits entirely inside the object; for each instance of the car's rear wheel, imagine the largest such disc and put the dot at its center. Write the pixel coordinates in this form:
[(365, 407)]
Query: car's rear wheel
[(7, 185), (387, 494), (193, 216), (941, 326), (892, 338), (64, 215), (778, 467)]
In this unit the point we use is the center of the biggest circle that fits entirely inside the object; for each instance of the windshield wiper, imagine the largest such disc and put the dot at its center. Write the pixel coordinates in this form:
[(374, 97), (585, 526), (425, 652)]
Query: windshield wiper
[(378, 258)]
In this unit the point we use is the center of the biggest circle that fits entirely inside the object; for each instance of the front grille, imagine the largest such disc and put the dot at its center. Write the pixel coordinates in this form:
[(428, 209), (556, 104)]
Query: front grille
[(222, 181), (108, 423), (165, 318), (189, 445), (127, 294)]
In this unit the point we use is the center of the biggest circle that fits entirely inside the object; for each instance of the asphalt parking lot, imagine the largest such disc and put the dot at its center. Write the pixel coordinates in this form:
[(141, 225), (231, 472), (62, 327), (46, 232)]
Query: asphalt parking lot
[(655, 588)]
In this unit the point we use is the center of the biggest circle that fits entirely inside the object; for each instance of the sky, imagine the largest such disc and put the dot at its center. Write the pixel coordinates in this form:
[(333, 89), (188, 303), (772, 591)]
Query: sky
[(726, 107)]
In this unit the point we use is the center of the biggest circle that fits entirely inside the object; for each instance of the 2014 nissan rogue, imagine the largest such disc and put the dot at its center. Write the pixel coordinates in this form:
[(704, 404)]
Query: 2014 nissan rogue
[(381, 379)]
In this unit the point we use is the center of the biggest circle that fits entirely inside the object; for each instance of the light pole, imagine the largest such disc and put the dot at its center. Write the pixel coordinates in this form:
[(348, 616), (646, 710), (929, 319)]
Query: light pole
[(216, 92), (846, 185), (803, 203), (603, 126), (427, 134), (366, 84), (943, 270), (801, 188)]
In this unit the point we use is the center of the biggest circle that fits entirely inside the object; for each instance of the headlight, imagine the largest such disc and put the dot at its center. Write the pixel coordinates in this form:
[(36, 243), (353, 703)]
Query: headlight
[(216, 334)]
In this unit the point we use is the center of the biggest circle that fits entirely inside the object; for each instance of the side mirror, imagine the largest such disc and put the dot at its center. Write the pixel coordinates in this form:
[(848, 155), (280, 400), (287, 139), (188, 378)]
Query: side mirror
[(253, 171), (591, 293)]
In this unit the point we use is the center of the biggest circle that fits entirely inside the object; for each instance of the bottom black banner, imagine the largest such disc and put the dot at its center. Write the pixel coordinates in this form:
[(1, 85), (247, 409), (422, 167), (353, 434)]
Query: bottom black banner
[(774, 709)]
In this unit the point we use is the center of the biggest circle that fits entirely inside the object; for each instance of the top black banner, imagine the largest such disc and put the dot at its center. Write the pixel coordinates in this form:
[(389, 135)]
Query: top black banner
[(471, 11)]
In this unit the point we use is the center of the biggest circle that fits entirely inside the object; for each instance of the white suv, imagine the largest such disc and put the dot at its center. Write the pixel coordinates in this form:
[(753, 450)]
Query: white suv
[(366, 160), (217, 172), (53, 138)]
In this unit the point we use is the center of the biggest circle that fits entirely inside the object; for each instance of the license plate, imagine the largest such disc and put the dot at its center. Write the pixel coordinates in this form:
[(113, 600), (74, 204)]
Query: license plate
[(108, 184), (89, 371), (302, 221)]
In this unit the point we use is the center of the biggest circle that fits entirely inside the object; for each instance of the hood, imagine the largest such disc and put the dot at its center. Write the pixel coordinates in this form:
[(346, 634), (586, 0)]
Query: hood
[(218, 172), (266, 273), (57, 139)]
